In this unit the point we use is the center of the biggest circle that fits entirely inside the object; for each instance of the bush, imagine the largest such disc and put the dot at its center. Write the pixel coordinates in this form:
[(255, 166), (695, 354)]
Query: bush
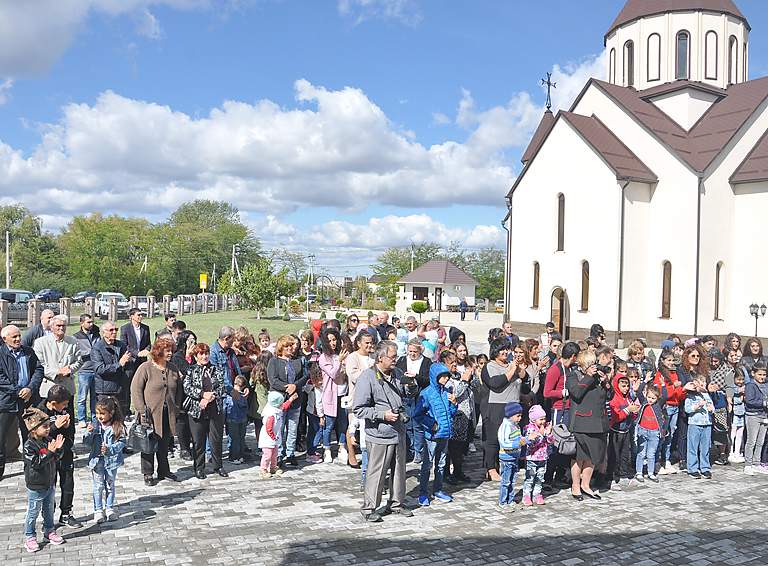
[(295, 307), (341, 317), (302, 298), (419, 307), (323, 316), (339, 302), (370, 313), (391, 302), (287, 317), (150, 292)]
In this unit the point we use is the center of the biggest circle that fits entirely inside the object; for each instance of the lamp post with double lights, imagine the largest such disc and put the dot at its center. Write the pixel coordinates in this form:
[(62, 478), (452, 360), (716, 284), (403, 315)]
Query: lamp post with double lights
[(758, 312)]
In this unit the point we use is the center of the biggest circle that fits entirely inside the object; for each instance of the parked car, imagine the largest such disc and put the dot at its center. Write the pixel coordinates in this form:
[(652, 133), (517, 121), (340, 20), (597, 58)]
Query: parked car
[(480, 303), (80, 296), (102, 304), (17, 303), (48, 295), (500, 305)]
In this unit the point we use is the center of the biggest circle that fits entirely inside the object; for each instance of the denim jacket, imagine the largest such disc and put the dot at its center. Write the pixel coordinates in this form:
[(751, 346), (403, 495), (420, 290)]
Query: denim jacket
[(700, 416), (100, 435)]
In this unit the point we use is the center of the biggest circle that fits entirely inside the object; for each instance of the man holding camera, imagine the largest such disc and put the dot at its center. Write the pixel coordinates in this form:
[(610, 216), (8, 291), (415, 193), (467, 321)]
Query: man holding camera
[(378, 400)]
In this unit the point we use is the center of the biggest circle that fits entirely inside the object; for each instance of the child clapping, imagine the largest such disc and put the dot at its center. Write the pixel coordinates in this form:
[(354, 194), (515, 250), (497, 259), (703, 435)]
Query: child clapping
[(539, 435)]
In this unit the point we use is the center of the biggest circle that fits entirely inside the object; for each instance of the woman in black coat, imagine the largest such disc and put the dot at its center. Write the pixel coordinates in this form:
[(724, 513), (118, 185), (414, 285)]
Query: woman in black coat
[(589, 391)]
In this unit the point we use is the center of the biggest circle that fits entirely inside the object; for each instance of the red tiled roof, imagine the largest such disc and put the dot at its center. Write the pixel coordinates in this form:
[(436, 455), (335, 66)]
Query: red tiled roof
[(547, 121), (635, 9), (439, 272), (755, 167), (624, 163)]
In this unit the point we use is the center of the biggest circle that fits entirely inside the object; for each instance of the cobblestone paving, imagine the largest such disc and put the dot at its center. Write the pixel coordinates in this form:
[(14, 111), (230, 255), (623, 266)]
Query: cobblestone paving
[(312, 516)]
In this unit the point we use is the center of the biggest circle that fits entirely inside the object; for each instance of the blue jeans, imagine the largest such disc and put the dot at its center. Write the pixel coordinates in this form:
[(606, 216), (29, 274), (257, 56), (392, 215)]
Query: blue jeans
[(434, 451), (291, 424), (331, 426), (37, 501), (534, 477), (507, 483), (86, 386), (314, 434), (647, 444), (413, 429), (103, 483), (699, 440), (236, 433), (666, 445)]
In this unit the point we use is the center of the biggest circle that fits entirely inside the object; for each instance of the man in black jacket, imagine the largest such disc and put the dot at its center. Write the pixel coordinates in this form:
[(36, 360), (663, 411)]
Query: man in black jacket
[(414, 364), (21, 374), (40, 329), (86, 337), (136, 337), (109, 357)]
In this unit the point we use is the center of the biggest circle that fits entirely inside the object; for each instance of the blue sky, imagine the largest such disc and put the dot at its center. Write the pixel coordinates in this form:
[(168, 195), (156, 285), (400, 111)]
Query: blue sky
[(337, 126)]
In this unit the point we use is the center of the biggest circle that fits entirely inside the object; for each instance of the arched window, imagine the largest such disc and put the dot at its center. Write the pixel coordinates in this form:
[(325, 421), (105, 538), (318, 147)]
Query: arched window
[(683, 58), (629, 63), (733, 60), (585, 286), (612, 67), (710, 56), (536, 273), (654, 57), (560, 222), (718, 288), (666, 290)]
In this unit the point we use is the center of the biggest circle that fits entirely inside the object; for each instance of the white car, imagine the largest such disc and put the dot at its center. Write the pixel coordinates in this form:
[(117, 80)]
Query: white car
[(102, 304)]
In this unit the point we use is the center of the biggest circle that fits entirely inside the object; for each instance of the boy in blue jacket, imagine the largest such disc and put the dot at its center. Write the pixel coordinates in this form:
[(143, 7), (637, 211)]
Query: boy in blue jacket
[(434, 412), (236, 411)]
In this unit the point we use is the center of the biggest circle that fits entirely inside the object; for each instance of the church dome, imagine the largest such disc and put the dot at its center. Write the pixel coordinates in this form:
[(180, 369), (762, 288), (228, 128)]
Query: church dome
[(653, 42)]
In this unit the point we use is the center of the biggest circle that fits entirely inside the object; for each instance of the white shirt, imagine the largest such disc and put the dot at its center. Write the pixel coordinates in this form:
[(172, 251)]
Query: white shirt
[(137, 332), (412, 366)]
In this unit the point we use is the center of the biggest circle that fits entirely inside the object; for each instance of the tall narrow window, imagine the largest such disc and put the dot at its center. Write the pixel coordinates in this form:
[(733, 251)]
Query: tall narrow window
[(560, 222), (683, 58), (585, 286), (536, 272), (612, 67), (710, 56), (629, 63), (733, 60), (718, 287), (666, 290), (654, 57)]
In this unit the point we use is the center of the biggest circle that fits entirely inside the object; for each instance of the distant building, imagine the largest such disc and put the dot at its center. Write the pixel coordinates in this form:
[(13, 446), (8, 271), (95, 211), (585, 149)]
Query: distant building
[(438, 282), (374, 284)]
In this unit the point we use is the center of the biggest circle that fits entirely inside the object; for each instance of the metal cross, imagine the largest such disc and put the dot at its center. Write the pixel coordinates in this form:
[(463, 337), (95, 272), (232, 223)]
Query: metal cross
[(550, 85)]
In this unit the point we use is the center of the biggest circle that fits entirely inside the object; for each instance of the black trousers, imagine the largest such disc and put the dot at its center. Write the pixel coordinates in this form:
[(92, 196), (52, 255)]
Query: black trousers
[(65, 468), (148, 460), (558, 465), (620, 463), (682, 437), (183, 432), (211, 429), (492, 419), (10, 422), (456, 449)]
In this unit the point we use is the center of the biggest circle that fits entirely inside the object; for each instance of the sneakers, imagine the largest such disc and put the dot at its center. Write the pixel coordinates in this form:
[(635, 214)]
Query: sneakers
[(277, 473), (539, 500), (30, 543), (510, 508), (69, 521), (343, 456), (327, 457), (238, 462), (695, 475), (371, 517), (444, 497), (54, 538), (314, 459), (527, 501), (736, 459), (639, 478), (749, 470), (264, 475), (423, 501), (653, 478), (99, 517), (112, 515), (706, 475), (291, 461)]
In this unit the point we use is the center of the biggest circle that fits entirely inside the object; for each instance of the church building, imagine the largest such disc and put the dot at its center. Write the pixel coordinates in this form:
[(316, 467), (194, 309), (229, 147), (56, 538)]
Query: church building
[(643, 207)]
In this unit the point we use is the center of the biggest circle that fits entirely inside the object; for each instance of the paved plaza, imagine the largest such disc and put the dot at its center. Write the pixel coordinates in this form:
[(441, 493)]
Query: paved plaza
[(312, 515)]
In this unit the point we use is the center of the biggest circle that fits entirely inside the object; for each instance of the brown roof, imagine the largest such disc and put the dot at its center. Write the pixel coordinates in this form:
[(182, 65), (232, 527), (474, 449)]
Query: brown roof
[(666, 88), (708, 137), (624, 163), (547, 121), (439, 272), (635, 9), (755, 167)]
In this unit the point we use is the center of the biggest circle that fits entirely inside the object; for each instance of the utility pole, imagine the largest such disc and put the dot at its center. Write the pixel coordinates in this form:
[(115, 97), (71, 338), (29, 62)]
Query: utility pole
[(412, 256), (7, 259), (235, 268), (310, 277), (213, 278)]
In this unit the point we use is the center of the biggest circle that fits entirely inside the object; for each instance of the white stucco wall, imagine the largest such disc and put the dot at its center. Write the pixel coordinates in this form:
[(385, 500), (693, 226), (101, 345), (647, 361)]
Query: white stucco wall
[(667, 26), (685, 106), (451, 296)]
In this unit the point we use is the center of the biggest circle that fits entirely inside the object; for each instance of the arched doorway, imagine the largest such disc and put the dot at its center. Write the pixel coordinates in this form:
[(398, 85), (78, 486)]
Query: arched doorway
[(560, 310)]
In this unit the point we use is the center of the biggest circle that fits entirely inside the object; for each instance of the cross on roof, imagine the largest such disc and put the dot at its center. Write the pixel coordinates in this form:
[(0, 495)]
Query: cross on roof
[(550, 85)]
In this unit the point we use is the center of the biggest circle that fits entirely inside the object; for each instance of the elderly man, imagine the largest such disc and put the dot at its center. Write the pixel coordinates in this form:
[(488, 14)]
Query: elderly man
[(224, 356), (383, 327), (86, 337), (21, 374), (109, 357), (42, 328), (60, 356), (378, 400), (414, 365)]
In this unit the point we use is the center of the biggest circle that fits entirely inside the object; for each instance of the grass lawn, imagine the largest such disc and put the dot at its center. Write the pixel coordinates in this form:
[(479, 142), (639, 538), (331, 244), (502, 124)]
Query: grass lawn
[(206, 326)]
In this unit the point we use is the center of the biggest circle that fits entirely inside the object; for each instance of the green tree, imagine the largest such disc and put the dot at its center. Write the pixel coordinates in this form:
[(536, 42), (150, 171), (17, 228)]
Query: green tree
[(487, 267), (258, 285), (393, 263)]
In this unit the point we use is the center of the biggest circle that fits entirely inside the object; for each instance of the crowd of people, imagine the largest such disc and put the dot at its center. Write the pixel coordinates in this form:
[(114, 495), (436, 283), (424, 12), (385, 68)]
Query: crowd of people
[(373, 394)]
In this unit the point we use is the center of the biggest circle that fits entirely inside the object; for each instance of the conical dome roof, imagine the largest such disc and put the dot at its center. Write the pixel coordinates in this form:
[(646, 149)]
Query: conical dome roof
[(635, 9)]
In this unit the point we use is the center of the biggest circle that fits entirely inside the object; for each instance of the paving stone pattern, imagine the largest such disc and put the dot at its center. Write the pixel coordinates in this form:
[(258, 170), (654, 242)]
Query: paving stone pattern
[(311, 515)]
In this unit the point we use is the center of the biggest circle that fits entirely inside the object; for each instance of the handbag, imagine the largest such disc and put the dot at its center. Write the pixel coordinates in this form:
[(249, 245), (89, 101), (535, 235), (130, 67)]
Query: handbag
[(563, 440), (142, 437), (720, 420)]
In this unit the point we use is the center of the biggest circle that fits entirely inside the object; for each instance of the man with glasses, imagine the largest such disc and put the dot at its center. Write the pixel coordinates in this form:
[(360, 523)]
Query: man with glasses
[(135, 335), (109, 357)]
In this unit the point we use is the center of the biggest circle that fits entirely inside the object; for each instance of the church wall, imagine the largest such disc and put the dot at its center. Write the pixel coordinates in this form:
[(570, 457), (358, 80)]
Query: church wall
[(664, 228), (565, 164)]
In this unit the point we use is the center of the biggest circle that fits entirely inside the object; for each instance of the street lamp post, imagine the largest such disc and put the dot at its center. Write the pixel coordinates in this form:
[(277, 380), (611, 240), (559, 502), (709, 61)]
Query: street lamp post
[(758, 312)]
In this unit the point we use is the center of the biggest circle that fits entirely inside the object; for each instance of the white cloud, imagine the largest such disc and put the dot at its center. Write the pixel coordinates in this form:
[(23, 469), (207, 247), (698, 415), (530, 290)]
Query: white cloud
[(5, 90), (404, 11), (148, 26)]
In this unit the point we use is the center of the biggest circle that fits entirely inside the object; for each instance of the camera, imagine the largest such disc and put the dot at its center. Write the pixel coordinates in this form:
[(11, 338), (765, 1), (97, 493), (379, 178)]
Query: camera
[(605, 370), (401, 415)]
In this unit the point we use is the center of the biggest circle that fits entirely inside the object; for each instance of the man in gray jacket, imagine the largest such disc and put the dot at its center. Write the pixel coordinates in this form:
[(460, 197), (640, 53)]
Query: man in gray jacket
[(378, 400)]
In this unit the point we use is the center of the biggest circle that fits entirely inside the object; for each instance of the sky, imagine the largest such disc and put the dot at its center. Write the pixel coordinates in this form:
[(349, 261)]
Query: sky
[(337, 127)]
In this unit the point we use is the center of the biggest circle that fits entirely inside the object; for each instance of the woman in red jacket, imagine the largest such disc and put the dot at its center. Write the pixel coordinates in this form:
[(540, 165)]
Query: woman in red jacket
[(666, 379)]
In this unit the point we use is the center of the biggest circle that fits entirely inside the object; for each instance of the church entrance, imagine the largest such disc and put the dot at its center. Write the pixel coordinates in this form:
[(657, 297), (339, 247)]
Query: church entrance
[(560, 310)]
